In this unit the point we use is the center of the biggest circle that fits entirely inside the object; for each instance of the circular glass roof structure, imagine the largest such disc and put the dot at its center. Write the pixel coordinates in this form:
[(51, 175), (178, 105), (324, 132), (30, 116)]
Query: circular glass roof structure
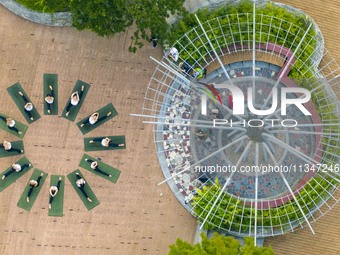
[(246, 122)]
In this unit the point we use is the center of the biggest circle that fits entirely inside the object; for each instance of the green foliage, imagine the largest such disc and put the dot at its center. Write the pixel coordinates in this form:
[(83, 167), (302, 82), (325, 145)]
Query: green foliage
[(250, 249), (219, 245), (150, 15), (48, 6), (184, 248), (230, 209), (225, 28), (274, 27), (109, 17), (34, 5), (52, 6), (100, 16)]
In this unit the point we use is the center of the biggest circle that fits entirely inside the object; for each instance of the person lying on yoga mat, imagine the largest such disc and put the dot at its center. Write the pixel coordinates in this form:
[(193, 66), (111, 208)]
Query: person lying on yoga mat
[(49, 99), (94, 118), (106, 142), (8, 147), (53, 192), (10, 124), (75, 99), (28, 105), (15, 168), (94, 166), (33, 184), (80, 184)]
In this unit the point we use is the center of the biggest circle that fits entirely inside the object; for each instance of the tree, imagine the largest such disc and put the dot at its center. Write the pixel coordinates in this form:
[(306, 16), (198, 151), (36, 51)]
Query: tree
[(250, 249), (219, 245), (54, 6), (109, 17), (184, 248)]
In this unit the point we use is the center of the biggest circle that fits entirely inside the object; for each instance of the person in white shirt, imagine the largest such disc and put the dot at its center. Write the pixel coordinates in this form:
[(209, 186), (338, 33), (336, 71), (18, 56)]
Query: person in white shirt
[(15, 168), (81, 184), (10, 124), (33, 184), (8, 147), (106, 142), (173, 53), (94, 166), (94, 118), (28, 105), (49, 99), (53, 192), (75, 99)]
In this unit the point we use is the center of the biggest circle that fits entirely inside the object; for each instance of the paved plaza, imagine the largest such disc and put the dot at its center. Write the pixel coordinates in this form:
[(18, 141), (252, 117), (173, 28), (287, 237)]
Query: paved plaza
[(135, 216)]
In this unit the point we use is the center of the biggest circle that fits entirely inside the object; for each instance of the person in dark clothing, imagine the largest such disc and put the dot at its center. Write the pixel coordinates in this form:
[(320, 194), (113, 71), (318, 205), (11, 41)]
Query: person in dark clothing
[(94, 166), (15, 168), (33, 184), (28, 105), (153, 40), (53, 192), (8, 147), (49, 99), (106, 142), (10, 124), (75, 99), (94, 118), (81, 184)]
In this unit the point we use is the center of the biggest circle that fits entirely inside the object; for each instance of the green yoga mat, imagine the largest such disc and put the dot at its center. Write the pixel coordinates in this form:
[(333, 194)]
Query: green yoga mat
[(20, 126), (97, 146), (102, 166), (51, 79), (58, 201), (102, 112), (89, 205), (19, 101), (22, 203), (75, 109), (15, 145), (13, 176)]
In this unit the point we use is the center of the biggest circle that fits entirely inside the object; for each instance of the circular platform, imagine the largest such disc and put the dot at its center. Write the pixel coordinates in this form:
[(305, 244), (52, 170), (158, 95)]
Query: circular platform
[(248, 173)]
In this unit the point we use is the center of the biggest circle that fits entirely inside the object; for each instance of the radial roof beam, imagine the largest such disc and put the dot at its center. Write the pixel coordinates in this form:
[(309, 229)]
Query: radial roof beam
[(287, 65), (290, 189), (198, 125), (205, 158), (254, 53), (256, 188), (213, 49), (169, 68), (226, 183), (299, 154)]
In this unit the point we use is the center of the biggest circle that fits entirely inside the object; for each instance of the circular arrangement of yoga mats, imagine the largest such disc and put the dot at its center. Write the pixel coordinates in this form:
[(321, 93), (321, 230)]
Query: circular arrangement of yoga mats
[(70, 112), (250, 173)]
